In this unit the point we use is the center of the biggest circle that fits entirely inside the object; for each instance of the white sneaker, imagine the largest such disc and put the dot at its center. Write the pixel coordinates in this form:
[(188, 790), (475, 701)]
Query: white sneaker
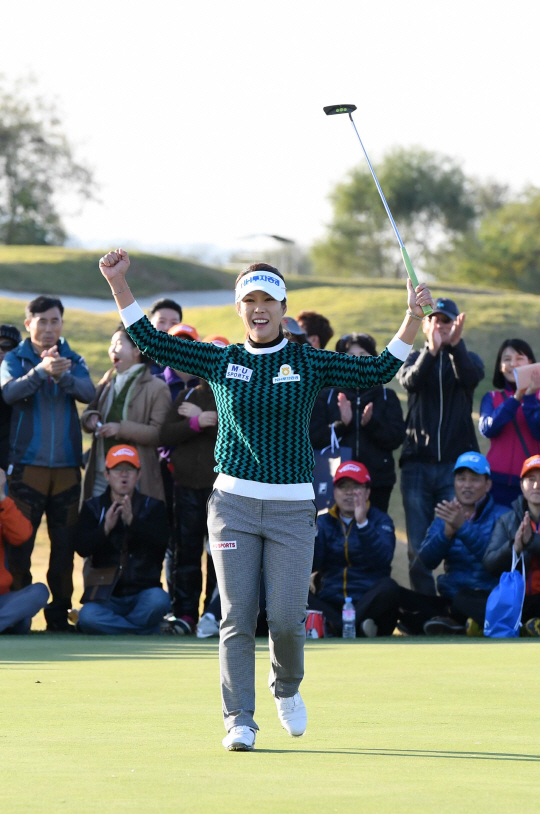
[(239, 739), (369, 628), (292, 713), (207, 626)]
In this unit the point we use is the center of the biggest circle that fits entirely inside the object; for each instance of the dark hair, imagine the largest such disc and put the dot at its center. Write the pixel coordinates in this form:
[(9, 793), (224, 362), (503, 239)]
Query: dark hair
[(164, 302), (145, 360), (520, 346), (42, 304), (365, 341), (316, 324)]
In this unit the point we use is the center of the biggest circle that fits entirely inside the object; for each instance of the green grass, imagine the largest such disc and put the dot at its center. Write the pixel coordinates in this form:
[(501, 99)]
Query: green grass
[(56, 270), (93, 725)]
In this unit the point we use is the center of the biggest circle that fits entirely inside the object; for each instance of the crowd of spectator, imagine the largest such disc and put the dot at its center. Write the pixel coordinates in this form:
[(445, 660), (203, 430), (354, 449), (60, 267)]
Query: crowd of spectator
[(135, 502)]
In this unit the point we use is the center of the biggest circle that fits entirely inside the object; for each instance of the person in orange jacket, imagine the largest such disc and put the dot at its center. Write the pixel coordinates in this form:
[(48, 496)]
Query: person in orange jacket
[(16, 607)]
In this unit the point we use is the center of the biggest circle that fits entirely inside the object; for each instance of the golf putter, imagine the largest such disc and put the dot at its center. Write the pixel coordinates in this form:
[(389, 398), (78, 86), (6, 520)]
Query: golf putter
[(333, 110)]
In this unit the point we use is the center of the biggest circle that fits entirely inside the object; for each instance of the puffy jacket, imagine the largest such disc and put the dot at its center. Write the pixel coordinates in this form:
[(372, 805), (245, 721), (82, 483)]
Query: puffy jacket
[(147, 538), (372, 444), (440, 389), (193, 454), (463, 553), (498, 557), (45, 429), (352, 559), (498, 412), (15, 529)]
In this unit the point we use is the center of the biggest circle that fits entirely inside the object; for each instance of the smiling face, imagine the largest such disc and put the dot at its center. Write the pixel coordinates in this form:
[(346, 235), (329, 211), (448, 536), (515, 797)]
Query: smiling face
[(510, 359), (123, 353), (45, 329), (530, 486), (261, 315), (470, 487)]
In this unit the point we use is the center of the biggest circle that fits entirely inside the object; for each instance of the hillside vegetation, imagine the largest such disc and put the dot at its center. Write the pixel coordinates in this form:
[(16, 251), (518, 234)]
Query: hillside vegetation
[(56, 270)]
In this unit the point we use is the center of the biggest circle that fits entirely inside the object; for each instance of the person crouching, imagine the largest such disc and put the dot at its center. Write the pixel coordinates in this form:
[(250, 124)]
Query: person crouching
[(123, 534), (354, 549)]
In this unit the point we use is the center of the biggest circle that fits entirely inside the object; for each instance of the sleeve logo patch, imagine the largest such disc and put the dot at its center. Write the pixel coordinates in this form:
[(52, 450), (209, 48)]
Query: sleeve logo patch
[(286, 375), (222, 545), (239, 372)]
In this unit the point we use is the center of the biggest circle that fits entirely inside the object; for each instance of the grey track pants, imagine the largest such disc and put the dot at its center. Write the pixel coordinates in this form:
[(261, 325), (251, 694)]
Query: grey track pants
[(246, 535)]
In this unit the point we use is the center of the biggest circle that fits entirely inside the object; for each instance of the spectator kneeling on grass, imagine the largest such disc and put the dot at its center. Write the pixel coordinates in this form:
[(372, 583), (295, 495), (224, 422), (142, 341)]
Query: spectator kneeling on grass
[(460, 535), (123, 534), (16, 607), (354, 549), (519, 529)]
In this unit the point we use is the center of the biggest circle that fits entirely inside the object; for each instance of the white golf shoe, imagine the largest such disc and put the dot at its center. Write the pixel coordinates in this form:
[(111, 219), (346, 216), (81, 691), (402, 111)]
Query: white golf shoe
[(207, 627), (239, 739), (292, 714)]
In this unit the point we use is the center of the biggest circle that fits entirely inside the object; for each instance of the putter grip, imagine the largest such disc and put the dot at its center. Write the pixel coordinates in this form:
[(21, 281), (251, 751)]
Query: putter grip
[(413, 278)]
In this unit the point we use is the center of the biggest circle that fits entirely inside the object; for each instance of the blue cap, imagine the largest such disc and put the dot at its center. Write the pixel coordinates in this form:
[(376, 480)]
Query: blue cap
[(475, 461)]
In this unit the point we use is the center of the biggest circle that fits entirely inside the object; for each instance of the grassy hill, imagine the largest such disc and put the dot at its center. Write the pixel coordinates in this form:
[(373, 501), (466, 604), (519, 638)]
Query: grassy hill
[(56, 270)]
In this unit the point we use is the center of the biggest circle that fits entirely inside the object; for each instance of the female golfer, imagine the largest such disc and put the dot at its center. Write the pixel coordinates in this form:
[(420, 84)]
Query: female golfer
[(260, 514)]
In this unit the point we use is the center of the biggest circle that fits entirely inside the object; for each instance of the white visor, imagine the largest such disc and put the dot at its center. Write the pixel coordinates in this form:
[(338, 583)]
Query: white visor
[(261, 281)]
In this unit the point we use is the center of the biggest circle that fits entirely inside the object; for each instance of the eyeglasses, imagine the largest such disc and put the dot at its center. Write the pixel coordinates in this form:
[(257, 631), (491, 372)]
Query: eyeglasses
[(441, 318)]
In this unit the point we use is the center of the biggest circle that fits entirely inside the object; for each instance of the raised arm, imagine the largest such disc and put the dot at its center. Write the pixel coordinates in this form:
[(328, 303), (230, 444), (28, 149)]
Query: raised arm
[(197, 358), (367, 371)]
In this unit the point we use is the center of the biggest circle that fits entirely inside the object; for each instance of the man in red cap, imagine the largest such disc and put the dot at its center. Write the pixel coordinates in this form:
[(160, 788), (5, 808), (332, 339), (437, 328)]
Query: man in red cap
[(354, 549), (519, 529), (123, 534)]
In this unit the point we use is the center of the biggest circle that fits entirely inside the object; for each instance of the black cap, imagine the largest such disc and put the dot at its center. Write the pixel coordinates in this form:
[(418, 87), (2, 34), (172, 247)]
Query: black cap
[(447, 307), (10, 332)]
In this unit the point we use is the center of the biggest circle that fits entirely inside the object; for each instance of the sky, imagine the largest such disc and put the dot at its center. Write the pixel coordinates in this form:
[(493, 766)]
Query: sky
[(203, 121)]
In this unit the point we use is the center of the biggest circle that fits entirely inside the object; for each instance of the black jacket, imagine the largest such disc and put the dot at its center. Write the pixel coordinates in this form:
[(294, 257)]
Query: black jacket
[(371, 445), (498, 556), (440, 389), (146, 541)]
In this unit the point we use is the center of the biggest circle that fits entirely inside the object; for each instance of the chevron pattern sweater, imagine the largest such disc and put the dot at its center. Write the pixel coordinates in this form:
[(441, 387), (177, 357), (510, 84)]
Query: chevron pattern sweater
[(264, 398)]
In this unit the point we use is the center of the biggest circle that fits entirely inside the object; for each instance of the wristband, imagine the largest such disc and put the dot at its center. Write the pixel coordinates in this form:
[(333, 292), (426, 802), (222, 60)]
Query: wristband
[(410, 314)]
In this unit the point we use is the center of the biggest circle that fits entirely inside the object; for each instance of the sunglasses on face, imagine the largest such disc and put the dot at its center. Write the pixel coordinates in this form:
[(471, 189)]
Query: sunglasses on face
[(442, 318)]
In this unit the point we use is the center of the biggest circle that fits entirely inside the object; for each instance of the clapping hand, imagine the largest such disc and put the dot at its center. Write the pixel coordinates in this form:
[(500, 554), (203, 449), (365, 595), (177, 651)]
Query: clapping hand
[(457, 329), (523, 534), (345, 408), (120, 508), (188, 410), (534, 386), (433, 336), (53, 363), (367, 414), (360, 505), (451, 511)]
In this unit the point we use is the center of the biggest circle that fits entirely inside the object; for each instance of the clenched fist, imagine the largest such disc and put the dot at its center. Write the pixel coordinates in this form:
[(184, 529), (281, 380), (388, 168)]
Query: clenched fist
[(114, 264)]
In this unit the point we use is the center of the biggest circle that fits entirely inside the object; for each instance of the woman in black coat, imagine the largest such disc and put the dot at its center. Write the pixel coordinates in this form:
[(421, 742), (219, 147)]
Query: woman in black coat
[(370, 422)]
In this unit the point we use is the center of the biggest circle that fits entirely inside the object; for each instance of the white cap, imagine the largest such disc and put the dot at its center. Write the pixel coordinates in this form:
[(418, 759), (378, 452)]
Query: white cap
[(261, 281)]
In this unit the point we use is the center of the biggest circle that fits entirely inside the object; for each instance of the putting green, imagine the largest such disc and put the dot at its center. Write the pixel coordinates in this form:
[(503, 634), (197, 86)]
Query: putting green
[(129, 724)]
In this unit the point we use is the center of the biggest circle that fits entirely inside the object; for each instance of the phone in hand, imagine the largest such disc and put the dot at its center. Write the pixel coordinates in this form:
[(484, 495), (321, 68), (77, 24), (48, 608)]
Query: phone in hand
[(523, 375)]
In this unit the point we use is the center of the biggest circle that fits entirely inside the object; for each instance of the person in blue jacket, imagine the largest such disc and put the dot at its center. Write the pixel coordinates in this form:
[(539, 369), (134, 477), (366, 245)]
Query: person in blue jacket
[(354, 548), (42, 380), (459, 536)]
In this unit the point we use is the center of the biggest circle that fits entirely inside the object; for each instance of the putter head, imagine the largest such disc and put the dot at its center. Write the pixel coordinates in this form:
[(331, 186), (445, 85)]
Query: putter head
[(333, 110)]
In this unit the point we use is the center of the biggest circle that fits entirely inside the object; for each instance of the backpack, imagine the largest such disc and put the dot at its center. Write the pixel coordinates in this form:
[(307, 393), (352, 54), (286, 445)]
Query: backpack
[(505, 603)]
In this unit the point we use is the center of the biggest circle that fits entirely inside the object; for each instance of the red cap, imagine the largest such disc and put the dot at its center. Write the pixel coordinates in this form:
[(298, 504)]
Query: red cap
[(182, 329), (531, 463), (353, 470), (216, 339), (122, 453)]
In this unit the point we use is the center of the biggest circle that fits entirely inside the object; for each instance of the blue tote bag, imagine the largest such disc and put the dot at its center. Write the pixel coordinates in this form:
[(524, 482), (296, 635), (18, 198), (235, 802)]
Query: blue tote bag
[(505, 603), (327, 461)]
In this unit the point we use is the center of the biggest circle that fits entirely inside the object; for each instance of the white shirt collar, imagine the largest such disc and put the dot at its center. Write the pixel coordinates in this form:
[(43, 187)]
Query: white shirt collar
[(273, 349)]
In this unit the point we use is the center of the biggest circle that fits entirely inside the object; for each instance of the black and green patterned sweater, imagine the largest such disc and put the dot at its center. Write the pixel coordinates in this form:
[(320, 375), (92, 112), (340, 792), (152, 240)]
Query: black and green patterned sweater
[(265, 396)]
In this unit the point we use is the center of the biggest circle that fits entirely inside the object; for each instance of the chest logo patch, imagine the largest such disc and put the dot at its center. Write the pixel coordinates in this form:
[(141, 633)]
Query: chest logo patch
[(239, 372), (286, 374)]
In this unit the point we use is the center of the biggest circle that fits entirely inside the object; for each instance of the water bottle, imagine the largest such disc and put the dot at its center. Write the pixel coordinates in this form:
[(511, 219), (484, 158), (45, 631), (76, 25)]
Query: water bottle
[(348, 616)]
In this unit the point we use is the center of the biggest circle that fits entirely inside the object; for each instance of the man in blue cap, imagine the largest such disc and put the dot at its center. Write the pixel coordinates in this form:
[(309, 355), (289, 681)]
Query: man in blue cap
[(459, 535), (439, 380)]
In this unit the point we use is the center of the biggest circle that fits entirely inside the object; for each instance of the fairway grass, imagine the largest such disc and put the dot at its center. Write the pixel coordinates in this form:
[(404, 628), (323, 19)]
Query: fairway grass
[(134, 724)]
